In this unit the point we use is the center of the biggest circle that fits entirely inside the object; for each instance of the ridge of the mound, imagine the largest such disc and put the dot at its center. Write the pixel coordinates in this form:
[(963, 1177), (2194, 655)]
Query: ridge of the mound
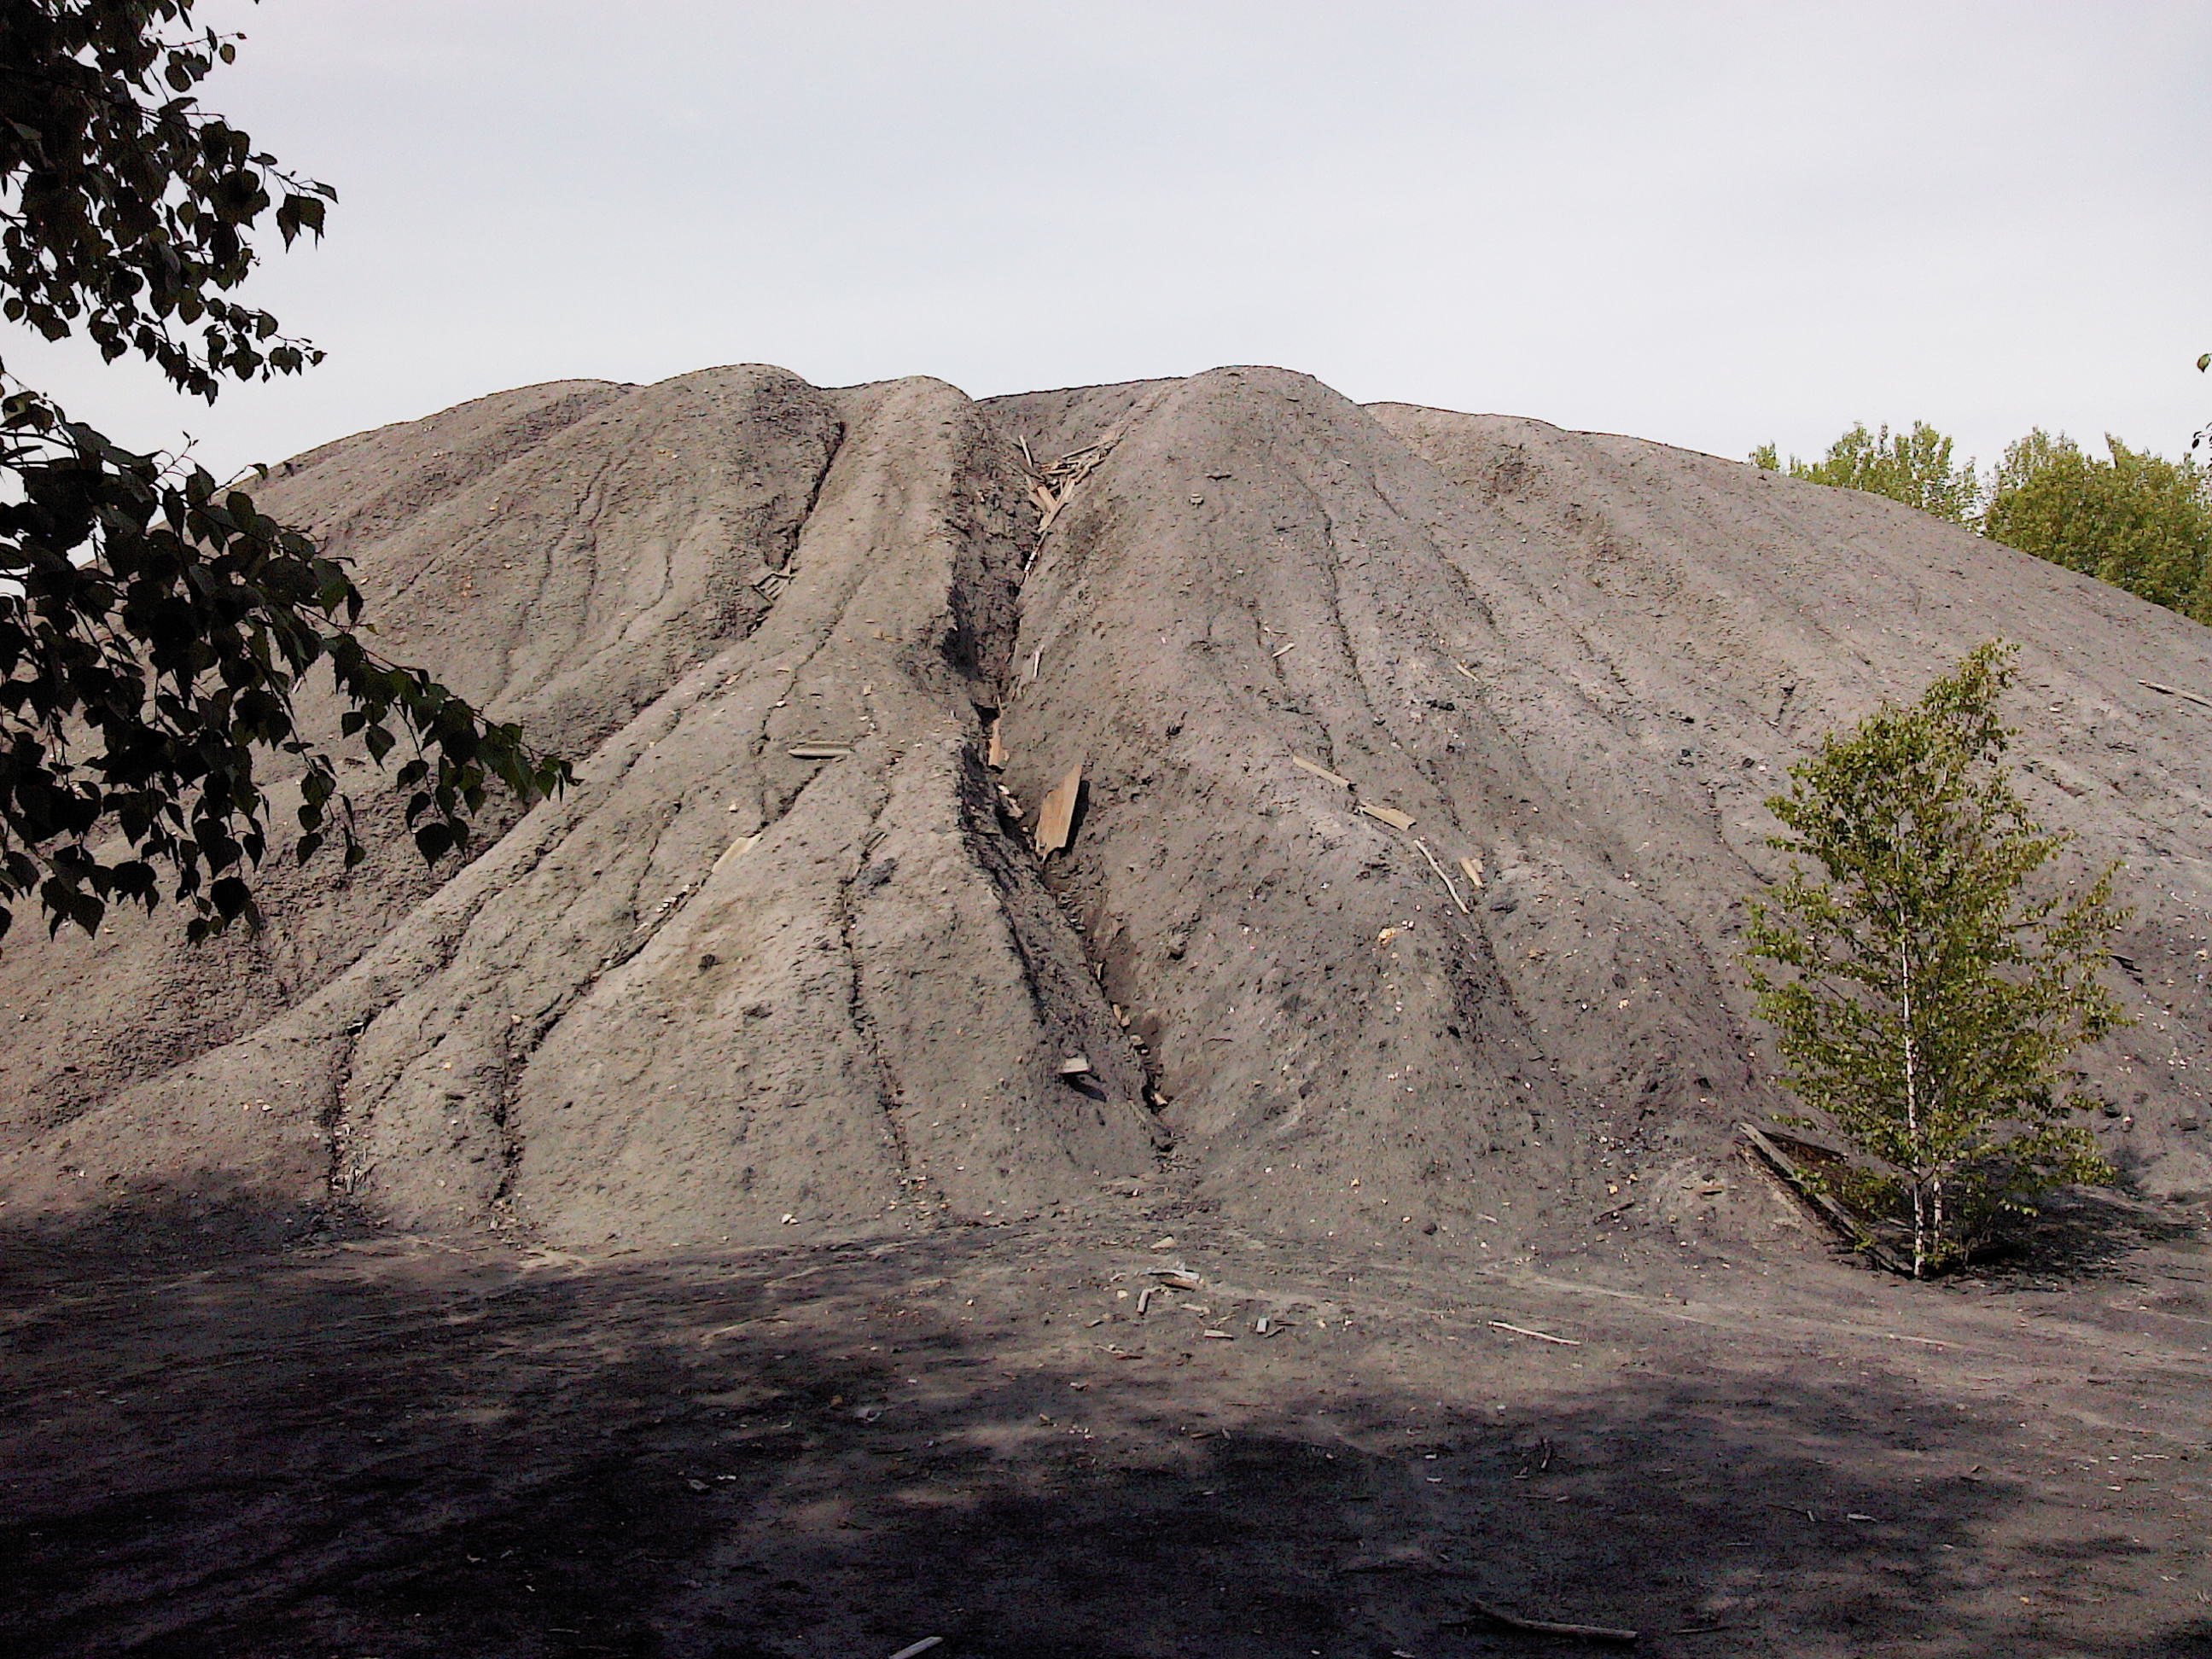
[(1423, 759)]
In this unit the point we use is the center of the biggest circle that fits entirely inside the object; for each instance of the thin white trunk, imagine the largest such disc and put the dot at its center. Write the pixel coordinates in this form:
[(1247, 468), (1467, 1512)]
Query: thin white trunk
[(1935, 1188), (1912, 1107)]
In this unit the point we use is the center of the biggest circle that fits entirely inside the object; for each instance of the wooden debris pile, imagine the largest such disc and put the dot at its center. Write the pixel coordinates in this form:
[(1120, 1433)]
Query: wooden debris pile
[(1051, 486)]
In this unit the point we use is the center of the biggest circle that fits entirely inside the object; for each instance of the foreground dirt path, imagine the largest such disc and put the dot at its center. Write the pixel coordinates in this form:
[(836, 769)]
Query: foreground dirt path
[(396, 1448)]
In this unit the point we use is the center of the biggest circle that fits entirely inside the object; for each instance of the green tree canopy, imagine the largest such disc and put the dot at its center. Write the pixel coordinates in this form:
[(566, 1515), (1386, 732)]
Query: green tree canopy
[(1914, 467), (2132, 518), (154, 624), (1924, 1001)]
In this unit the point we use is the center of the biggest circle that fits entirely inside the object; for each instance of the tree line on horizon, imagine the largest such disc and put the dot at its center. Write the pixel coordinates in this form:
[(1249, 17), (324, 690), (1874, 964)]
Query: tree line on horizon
[(2128, 517)]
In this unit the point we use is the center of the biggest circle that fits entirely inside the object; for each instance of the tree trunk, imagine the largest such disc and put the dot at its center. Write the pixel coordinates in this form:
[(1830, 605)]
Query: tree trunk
[(1912, 1107)]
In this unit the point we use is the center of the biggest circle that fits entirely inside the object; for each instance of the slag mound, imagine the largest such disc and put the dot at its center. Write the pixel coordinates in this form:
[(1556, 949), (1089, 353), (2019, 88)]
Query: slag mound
[(1336, 818)]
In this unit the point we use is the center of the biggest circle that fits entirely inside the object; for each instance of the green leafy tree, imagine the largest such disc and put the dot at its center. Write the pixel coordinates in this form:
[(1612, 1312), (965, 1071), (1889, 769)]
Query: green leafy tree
[(154, 624), (2203, 363), (1925, 1004), (1914, 467), (2135, 519)]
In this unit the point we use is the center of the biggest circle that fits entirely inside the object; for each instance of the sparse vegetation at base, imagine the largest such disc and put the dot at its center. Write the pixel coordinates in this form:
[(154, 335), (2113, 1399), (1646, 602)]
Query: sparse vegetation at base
[(1926, 1003)]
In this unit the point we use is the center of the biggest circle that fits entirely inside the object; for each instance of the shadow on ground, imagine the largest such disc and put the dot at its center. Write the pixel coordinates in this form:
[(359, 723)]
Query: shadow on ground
[(399, 1448), (2080, 1233)]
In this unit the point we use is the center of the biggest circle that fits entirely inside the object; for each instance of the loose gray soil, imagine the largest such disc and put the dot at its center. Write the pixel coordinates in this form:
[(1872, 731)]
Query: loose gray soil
[(501, 1258), (404, 1450)]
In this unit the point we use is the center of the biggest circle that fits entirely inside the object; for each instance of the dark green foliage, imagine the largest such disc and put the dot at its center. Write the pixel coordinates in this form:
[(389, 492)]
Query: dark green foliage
[(154, 624), (128, 209), (2136, 520), (1924, 1003), (1914, 467)]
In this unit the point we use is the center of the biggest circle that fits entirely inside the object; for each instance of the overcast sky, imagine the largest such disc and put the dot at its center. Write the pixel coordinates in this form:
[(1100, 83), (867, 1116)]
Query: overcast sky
[(1707, 223)]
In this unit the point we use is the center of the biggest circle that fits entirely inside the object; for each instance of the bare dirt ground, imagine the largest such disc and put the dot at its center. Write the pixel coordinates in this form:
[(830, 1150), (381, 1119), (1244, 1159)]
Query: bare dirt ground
[(397, 1448)]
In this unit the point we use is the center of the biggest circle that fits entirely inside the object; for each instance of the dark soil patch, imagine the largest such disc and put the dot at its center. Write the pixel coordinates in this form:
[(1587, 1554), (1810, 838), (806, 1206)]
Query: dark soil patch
[(401, 1448)]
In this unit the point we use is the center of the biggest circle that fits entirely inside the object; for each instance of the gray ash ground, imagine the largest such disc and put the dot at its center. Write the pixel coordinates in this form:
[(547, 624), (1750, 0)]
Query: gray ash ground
[(395, 1448)]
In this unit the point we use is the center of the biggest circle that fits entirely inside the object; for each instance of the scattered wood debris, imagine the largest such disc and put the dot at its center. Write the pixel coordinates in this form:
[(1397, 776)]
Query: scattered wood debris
[(1056, 817), (1398, 821), (994, 752), (2175, 691), (1472, 868), (819, 751), (1541, 1336), (1075, 1065), (1549, 1628), (1320, 771), (1442, 876), (1826, 1207), (914, 1650), (1389, 815), (1399, 1558), (736, 847)]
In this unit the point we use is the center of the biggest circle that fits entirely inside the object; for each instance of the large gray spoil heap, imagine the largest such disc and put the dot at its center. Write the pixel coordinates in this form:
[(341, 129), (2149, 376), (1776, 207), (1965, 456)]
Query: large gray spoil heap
[(722, 990)]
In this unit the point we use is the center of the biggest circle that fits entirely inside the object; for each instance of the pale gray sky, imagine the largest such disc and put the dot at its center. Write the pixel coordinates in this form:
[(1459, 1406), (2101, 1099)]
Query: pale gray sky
[(1708, 223)]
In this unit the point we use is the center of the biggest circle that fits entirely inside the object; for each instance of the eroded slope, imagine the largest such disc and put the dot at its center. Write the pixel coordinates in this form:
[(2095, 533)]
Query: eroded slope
[(1423, 756)]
